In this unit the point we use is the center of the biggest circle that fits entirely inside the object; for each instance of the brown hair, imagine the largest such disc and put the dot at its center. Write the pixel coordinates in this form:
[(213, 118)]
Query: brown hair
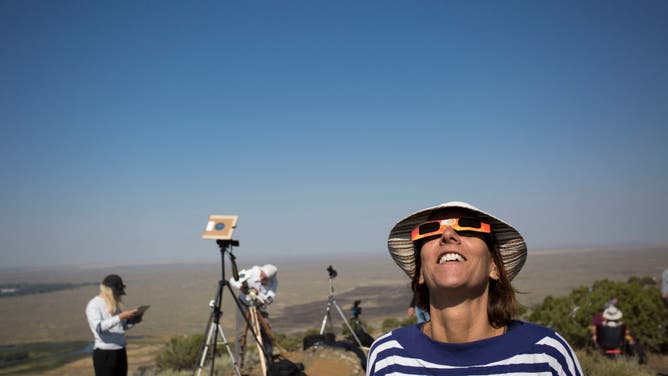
[(501, 303)]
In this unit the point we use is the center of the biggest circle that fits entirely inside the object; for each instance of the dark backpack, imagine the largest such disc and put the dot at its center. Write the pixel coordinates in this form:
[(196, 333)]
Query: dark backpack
[(363, 336), (326, 339), (610, 337), (284, 367)]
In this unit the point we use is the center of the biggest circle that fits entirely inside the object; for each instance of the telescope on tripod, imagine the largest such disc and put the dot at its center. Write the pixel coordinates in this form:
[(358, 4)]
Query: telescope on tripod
[(221, 228), (331, 301)]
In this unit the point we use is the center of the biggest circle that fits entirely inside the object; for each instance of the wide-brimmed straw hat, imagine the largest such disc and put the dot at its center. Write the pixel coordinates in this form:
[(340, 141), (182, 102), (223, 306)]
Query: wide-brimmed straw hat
[(508, 241), (612, 313)]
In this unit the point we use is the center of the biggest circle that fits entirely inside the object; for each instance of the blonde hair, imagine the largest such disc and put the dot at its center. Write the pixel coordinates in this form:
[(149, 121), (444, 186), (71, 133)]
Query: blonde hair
[(113, 301)]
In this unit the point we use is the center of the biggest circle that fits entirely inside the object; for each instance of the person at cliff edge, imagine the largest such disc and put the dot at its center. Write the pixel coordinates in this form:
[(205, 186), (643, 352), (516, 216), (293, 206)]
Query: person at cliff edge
[(461, 261), (257, 287), (108, 322)]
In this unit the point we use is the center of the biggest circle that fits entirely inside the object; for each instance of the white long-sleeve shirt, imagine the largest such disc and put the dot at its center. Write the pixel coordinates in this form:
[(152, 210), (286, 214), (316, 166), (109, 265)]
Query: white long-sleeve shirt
[(267, 293), (109, 330)]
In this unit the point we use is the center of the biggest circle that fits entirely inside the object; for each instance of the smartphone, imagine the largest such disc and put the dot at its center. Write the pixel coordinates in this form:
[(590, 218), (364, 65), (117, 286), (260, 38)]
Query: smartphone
[(142, 309)]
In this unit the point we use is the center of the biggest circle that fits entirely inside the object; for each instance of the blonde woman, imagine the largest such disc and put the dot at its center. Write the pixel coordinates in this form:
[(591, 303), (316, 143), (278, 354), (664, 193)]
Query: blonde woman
[(108, 323)]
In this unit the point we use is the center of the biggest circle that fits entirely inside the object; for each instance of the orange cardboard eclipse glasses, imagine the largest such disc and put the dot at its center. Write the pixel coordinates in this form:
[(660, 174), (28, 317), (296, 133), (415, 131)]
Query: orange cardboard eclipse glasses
[(437, 227)]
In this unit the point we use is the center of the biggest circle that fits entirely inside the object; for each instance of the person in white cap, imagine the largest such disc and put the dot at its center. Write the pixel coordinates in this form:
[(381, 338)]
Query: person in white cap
[(614, 337), (461, 261), (257, 286), (597, 320)]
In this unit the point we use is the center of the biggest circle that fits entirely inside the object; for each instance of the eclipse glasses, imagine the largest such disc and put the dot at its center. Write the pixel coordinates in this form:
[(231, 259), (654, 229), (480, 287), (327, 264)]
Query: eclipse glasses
[(437, 227)]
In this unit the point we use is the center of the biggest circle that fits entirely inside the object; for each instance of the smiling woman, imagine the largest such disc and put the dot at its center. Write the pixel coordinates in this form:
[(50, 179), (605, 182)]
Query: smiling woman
[(461, 261)]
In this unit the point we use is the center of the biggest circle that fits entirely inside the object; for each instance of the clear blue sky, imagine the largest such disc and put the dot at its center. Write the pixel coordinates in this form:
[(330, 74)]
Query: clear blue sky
[(321, 123)]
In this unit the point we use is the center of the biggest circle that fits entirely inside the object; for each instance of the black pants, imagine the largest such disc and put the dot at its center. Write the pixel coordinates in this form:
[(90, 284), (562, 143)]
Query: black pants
[(110, 362)]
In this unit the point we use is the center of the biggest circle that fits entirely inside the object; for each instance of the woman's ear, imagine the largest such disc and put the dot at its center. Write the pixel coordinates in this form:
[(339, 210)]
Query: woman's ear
[(494, 272), (420, 278)]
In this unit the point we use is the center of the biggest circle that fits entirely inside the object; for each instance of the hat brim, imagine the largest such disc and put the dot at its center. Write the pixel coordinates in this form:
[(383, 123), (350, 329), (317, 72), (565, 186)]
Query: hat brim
[(507, 239), (119, 291), (612, 314)]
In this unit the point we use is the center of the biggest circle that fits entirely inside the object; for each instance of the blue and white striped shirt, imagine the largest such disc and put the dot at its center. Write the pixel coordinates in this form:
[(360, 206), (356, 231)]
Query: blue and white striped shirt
[(526, 349)]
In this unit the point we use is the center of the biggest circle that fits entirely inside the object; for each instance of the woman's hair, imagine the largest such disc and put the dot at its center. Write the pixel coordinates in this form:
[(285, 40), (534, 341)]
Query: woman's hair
[(501, 302), (113, 301)]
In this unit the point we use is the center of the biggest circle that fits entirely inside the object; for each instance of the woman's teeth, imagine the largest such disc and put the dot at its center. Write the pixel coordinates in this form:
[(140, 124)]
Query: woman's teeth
[(450, 257)]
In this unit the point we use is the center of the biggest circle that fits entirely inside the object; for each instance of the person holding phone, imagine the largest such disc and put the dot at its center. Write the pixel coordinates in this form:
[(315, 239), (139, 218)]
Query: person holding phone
[(108, 322)]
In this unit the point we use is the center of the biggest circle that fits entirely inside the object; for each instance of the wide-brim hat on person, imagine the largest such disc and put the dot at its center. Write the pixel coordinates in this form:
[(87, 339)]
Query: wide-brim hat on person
[(115, 283), (507, 239), (612, 313)]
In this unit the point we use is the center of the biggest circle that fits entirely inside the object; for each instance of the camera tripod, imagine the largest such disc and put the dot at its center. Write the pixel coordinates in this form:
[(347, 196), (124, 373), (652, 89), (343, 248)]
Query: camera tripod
[(331, 301), (213, 328), (256, 322)]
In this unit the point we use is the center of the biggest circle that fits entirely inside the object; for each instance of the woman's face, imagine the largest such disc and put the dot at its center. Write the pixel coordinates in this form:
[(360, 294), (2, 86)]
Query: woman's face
[(456, 261)]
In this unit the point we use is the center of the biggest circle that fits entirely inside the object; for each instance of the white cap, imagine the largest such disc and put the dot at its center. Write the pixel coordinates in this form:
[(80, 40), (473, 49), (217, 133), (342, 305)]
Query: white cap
[(269, 270)]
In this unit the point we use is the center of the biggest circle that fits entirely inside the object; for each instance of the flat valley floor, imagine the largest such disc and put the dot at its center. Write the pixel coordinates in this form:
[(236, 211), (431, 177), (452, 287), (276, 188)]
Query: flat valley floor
[(179, 294)]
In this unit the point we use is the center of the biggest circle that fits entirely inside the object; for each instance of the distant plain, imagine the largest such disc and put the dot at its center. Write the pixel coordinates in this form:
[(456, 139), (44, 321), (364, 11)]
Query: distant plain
[(179, 294)]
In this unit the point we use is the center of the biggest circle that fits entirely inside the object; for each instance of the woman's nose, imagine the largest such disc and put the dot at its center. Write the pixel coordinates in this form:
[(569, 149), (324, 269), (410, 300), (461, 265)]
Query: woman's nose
[(450, 236)]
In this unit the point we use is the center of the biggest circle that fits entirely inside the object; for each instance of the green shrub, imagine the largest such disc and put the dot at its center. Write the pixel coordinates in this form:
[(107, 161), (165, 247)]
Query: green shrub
[(289, 343), (408, 321), (311, 332), (521, 311), (594, 364), (390, 324), (639, 301), (181, 352), (13, 356)]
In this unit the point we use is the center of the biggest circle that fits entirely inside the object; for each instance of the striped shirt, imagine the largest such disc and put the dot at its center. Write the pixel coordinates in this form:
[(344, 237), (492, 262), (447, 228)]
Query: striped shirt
[(526, 349)]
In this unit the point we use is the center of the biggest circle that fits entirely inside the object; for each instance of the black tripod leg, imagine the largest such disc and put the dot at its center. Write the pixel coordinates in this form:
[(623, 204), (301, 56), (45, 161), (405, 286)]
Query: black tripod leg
[(216, 313), (214, 317)]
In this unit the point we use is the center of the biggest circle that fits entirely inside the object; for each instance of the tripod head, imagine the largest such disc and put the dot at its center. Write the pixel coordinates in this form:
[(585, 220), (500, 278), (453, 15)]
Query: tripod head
[(332, 272), (225, 246), (253, 299)]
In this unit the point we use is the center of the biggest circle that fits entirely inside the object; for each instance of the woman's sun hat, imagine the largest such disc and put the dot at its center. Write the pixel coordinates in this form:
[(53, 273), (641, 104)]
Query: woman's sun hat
[(612, 313), (508, 241)]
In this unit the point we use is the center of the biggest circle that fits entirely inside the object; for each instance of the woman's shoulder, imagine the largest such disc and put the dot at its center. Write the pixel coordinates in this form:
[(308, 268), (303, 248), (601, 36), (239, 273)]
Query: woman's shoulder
[(536, 334), (96, 303), (547, 343), (528, 329), (97, 299)]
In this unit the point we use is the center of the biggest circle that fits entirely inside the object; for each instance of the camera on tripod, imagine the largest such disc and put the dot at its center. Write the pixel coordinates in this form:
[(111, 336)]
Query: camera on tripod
[(332, 272), (356, 310), (253, 299)]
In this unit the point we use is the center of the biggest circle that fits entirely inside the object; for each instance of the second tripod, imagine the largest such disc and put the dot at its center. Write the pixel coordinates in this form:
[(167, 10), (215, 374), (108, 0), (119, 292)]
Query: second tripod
[(331, 301)]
